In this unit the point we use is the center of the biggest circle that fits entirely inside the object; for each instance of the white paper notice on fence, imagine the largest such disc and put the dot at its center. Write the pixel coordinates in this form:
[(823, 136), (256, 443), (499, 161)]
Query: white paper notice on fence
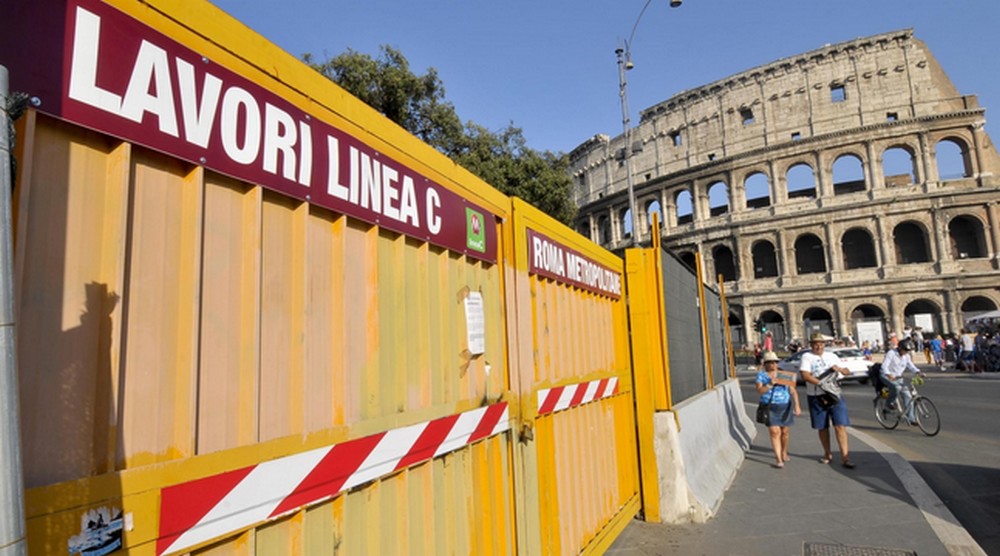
[(475, 323)]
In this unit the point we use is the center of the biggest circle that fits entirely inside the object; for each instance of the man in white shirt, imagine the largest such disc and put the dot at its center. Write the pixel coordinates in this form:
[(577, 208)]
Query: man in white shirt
[(896, 362), (815, 364)]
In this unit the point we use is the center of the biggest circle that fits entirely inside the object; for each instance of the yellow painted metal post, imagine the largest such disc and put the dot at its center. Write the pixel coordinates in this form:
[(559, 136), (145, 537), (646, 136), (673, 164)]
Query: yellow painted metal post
[(661, 319), (650, 365), (704, 322), (646, 372)]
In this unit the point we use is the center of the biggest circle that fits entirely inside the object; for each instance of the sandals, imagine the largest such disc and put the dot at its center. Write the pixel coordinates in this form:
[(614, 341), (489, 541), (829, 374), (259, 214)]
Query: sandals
[(778, 465), (825, 460), (848, 464)]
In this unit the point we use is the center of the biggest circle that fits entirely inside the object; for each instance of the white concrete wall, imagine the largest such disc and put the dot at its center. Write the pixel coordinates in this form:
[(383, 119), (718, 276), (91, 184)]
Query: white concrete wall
[(699, 447)]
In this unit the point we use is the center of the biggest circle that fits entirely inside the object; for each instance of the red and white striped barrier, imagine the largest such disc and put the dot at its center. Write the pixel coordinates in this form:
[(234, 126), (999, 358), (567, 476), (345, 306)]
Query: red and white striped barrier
[(198, 511), (559, 398)]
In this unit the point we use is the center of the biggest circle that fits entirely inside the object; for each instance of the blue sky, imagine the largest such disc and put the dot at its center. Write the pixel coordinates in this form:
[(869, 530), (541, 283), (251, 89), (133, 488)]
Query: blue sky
[(549, 67)]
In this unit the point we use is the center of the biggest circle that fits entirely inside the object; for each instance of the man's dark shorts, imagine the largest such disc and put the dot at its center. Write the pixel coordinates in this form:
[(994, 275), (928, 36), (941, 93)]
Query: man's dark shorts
[(821, 416)]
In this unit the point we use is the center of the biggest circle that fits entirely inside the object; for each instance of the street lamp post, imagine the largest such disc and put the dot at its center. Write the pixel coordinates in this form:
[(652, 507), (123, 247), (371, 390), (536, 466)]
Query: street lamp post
[(624, 55)]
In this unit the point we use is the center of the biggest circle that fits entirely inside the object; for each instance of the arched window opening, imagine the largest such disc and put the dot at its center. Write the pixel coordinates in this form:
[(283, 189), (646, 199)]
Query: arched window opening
[(584, 230), (603, 230), (953, 160), (975, 306), (801, 182), (625, 217), (867, 311), (758, 190), (923, 314), (774, 323), (858, 249), (817, 319), (809, 257), (868, 324), (899, 167), (689, 258), (765, 264), (685, 207), (725, 263), (848, 175), (968, 240), (911, 244), (718, 198), (978, 303), (736, 328), (653, 207)]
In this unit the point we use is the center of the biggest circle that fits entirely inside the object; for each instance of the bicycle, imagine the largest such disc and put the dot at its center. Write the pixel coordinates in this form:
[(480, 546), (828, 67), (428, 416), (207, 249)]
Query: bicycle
[(924, 410)]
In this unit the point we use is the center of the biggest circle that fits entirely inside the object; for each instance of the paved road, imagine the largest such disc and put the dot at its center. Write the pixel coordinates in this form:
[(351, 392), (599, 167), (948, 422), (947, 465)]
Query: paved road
[(962, 463)]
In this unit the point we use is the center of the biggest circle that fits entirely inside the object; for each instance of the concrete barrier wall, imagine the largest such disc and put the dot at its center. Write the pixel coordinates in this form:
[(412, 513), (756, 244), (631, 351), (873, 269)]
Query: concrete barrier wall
[(699, 446)]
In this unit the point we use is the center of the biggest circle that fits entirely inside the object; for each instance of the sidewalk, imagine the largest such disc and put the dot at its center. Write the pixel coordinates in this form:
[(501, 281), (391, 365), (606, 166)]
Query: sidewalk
[(808, 508)]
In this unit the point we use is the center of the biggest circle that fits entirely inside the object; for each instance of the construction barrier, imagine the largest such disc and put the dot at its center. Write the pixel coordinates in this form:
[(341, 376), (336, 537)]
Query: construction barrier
[(693, 429), (254, 316), (572, 360)]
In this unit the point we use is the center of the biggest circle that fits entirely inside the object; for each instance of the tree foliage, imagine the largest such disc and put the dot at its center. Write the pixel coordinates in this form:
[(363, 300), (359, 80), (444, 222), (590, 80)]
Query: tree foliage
[(418, 104)]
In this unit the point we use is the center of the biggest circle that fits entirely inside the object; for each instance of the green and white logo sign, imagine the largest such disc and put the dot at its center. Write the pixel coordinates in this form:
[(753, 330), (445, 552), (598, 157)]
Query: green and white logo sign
[(475, 230)]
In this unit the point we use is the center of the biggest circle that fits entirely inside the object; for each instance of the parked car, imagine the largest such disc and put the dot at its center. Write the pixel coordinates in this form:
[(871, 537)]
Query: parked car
[(852, 357)]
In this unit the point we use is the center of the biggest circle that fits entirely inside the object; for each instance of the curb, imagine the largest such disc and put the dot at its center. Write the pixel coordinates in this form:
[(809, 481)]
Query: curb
[(944, 524)]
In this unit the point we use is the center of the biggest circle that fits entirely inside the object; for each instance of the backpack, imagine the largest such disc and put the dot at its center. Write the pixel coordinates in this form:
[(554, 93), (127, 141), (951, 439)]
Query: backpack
[(875, 376)]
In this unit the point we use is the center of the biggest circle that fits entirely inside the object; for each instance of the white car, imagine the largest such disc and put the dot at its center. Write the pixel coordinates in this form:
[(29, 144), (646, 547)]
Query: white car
[(853, 359)]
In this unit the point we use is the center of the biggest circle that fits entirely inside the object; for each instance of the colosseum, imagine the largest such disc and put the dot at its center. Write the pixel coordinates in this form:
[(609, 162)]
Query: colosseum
[(850, 190)]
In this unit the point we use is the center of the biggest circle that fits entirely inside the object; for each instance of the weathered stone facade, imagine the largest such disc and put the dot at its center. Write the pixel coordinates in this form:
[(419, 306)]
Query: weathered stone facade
[(849, 184)]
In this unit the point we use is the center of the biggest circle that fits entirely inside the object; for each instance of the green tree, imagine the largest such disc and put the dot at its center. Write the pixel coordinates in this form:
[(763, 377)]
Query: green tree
[(418, 104)]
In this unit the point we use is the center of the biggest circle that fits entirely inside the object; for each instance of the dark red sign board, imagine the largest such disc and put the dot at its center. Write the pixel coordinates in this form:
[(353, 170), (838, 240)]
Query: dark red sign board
[(90, 64), (549, 258)]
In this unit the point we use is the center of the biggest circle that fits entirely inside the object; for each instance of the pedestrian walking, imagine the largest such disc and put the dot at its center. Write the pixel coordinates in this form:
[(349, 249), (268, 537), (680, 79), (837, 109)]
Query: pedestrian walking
[(817, 364), (783, 402)]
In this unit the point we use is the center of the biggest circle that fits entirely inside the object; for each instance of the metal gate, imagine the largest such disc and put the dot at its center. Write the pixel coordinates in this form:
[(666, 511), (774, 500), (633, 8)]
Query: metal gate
[(572, 364)]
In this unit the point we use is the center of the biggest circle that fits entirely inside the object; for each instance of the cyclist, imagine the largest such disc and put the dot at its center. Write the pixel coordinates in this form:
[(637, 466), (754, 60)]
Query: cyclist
[(896, 362)]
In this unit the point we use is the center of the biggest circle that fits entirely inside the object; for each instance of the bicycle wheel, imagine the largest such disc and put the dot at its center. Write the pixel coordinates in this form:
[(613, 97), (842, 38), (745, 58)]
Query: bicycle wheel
[(882, 415), (927, 415)]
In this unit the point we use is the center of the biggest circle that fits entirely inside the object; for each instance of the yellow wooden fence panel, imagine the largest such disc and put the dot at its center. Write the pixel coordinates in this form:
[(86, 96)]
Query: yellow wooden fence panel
[(219, 336), (574, 377)]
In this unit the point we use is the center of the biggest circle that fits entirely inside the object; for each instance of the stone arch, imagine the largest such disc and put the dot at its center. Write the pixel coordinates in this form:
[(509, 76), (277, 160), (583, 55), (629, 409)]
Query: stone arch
[(975, 305), (689, 258), (809, 254), (583, 228), (818, 319), (925, 313), (774, 322), (868, 321), (765, 260), (684, 202), (848, 172), (858, 249), (652, 207), (800, 180), (977, 302), (899, 165), (757, 187), (603, 229), (625, 217), (725, 263), (736, 326), (910, 242), (954, 161), (718, 198), (967, 237)]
